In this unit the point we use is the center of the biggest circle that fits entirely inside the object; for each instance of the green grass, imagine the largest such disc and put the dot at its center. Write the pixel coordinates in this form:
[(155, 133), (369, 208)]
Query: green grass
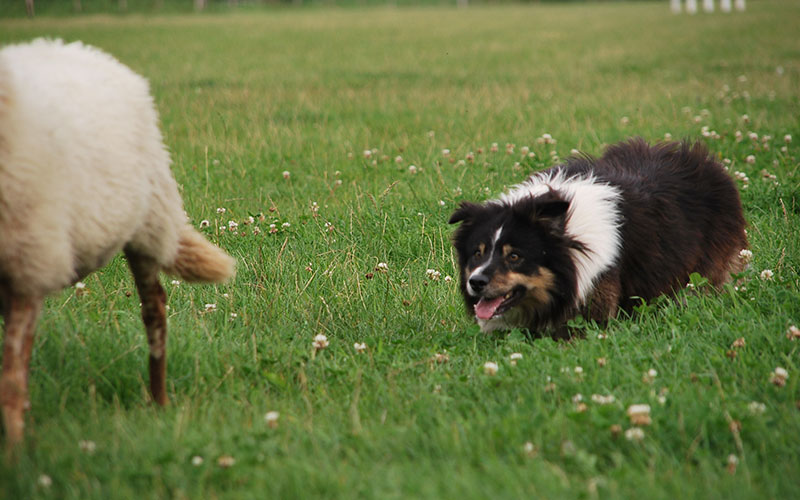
[(244, 97)]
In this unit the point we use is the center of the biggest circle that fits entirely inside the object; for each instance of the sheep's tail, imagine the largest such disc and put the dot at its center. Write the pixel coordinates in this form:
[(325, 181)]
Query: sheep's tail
[(199, 260)]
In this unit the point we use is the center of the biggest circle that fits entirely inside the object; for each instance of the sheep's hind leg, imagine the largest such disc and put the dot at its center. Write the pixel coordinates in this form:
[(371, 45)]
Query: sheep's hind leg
[(20, 315), (145, 273)]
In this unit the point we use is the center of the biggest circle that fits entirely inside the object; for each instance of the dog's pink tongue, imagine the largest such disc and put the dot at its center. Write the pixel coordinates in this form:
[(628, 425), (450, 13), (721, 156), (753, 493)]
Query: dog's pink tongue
[(485, 309)]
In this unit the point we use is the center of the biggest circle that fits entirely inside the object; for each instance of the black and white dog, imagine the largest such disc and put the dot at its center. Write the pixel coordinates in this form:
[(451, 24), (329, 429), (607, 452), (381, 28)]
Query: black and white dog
[(592, 236)]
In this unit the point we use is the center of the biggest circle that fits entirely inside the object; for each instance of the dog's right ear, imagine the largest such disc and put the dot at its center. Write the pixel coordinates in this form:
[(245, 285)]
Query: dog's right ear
[(465, 212)]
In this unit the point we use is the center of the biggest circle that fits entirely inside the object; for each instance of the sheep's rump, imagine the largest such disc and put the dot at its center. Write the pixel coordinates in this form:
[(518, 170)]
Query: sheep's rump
[(83, 168)]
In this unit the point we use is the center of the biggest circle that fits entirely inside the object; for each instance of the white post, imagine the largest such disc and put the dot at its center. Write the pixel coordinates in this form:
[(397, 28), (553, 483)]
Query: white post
[(708, 5), (675, 6), (725, 5), (739, 4), (691, 6)]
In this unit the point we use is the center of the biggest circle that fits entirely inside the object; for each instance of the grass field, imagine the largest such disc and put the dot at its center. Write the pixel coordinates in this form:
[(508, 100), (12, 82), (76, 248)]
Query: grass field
[(245, 97)]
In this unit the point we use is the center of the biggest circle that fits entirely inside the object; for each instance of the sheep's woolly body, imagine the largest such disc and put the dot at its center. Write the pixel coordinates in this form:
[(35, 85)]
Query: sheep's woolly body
[(83, 169)]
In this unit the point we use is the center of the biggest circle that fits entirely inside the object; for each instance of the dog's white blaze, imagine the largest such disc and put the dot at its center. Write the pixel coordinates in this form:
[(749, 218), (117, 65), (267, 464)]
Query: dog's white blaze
[(483, 266), (593, 219)]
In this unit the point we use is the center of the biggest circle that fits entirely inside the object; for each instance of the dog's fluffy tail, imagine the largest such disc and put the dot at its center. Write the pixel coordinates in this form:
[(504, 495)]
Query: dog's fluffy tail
[(200, 261)]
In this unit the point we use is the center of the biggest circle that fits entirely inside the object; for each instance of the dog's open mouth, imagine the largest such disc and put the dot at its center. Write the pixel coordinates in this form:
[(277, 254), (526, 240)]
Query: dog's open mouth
[(489, 308)]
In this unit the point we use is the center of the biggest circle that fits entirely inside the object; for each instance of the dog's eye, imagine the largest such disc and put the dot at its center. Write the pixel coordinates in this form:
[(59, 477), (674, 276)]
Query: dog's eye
[(477, 254), (513, 257)]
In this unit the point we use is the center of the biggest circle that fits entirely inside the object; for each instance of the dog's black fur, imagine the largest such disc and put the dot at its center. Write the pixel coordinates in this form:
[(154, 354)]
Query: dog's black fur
[(677, 212)]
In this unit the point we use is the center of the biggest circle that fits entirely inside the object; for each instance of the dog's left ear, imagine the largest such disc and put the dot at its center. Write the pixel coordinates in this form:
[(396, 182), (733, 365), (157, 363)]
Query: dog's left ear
[(549, 210), (465, 212), (552, 214)]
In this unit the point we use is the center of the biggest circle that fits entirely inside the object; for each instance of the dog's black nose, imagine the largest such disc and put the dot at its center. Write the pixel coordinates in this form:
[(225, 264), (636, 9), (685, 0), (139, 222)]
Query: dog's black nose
[(478, 282)]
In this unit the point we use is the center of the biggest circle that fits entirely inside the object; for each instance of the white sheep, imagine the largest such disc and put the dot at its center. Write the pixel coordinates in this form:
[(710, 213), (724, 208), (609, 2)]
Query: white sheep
[(84, 174)]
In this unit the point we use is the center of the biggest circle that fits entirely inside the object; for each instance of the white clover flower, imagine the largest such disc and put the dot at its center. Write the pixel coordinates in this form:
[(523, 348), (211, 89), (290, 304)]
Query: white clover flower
[(494, 148), (226, 461), (756, 407), (751, 159), (515, 356), (210, 307), (412, 169), (634, 434), (524, 150), (45, 481), (445, 152), (529, 449), (80, 285), (746, 255), (234, 315), (320, 342), (793, 333), (442, 203), (204, 223), (286, 225), (624, 120), (470, 156), (578, 370), (250, 220), (779, 376), (433, 274), (367, 153), (697, 118), (448, 279), (603, 400), (175, 282), (382, 266), (232, 225), (441, 357), (602, 336), (639, 414), (752, 136), (197, 460), (87, 446), (271, 418), (667, 136), (577, 398), (221, 210), (787, 138), (360, 347), (286, 174), (767, 274), (490, 368), (739, 136), (398, 159)]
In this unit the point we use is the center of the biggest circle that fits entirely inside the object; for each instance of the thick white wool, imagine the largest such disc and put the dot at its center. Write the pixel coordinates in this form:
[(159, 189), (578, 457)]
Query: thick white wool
[(83, 169), (593, 219)]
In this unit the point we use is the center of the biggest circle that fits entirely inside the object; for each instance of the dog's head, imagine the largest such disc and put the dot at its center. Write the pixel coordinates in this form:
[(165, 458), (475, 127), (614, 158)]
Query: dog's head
[(514, 259)]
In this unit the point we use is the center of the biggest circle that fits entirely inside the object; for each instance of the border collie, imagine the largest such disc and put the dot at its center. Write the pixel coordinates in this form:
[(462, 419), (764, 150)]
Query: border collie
[(592, 236)]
